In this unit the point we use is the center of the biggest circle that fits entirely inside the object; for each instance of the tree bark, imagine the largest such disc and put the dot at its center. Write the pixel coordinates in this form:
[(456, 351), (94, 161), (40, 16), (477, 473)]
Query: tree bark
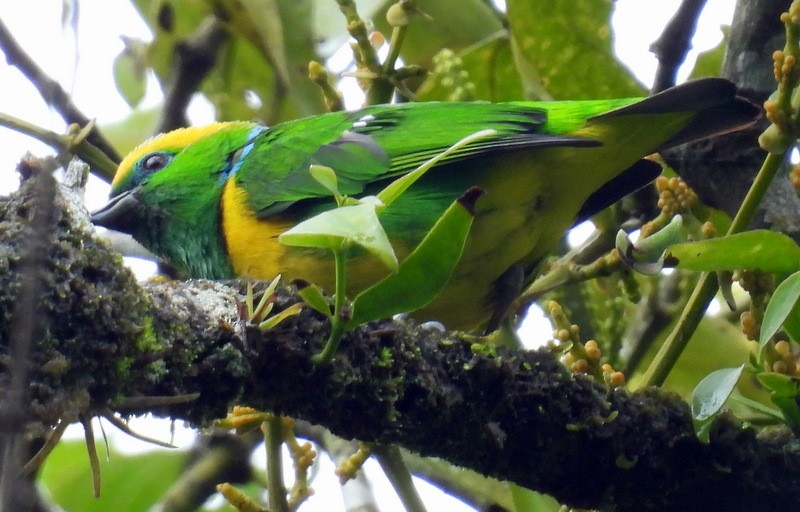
[(106, 342)]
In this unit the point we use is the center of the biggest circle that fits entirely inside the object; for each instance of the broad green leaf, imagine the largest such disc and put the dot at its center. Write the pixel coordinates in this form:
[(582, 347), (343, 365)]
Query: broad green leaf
[(792, 323), (790, 410), (709, 63), (490, 69), (779, 384), (129, 132), (711, 393), (455, 24), (784, 391), (526, 500), (764, 250), (332, 229), (130, 72), (259, 21), (248, 80), (424, 273), (709, 396), (782, 303), (129, 482), (564, 50)]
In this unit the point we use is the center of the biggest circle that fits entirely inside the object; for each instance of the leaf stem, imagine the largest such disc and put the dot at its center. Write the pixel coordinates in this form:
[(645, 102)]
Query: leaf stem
[(338, 322), (98, 161), (391, 462), (276, 491), (398, 34), (707, 286)]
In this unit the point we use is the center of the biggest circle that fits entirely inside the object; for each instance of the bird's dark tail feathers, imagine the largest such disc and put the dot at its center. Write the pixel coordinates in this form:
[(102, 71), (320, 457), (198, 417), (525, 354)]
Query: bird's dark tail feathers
[(719, 109)]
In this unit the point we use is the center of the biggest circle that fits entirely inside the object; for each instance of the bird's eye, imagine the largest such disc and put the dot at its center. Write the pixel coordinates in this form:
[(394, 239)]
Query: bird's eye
[(155, 162)]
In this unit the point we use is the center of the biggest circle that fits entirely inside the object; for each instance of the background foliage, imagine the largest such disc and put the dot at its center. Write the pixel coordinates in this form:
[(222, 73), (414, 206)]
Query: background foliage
[(250, 58)]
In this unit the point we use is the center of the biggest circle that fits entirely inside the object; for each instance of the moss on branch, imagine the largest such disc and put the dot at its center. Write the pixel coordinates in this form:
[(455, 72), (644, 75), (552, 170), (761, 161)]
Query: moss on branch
[(108, 342)]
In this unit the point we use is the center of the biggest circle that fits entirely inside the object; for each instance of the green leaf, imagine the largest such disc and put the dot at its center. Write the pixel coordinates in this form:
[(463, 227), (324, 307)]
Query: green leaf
[(326, 177), (779, 384), (764, 250), (129, 482), (260, 71), (564, 50), (790, 410), (490, 69), (425, 272), (781, 305), (277, 318), (709, 396), (711, 393), (526, 500), (332, 229), (130, 72), (709, 63), (313, 296), (455, 24), (784, 391), (758, 407)]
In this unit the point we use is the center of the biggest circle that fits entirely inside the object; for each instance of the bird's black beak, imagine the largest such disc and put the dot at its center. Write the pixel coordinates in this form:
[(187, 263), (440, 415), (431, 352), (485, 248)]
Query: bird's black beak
[(122, 213)]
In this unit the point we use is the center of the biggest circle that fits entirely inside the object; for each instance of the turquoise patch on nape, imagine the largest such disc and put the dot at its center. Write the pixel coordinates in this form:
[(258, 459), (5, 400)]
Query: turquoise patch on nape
[(238, 156)]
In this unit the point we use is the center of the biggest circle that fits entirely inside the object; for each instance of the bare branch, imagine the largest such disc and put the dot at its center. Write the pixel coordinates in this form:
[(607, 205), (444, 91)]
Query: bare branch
[(194, 59), (51, 91), (675, 42)]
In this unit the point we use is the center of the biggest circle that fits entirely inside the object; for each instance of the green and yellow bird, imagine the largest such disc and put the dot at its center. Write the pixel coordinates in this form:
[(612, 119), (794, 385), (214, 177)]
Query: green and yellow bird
[(212, 200)]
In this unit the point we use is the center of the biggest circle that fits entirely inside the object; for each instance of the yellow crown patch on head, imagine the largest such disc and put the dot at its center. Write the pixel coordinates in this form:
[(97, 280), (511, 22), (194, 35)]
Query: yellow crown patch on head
[(173, 140)]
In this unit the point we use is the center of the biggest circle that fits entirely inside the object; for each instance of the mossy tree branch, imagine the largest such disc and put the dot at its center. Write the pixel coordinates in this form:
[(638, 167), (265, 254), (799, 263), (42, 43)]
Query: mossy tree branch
[(518, 416)]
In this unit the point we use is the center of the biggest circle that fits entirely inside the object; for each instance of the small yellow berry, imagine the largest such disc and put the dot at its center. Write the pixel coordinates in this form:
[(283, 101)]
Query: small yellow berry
[(580, 366), (616, 379), (593, 350)]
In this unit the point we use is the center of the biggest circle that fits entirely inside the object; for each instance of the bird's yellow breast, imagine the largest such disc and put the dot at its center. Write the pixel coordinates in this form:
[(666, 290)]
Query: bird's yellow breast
[(255, 251), (252, 244)]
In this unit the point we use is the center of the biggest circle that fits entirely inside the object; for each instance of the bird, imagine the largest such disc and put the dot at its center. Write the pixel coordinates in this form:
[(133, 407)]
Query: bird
[(212, 200)]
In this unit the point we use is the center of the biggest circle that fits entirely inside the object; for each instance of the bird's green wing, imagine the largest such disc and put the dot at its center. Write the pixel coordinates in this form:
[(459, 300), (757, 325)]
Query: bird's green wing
[(377, 143)]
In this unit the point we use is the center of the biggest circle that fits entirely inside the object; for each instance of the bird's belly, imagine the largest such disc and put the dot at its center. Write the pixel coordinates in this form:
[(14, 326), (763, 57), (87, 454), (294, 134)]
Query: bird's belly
[(521, 216)]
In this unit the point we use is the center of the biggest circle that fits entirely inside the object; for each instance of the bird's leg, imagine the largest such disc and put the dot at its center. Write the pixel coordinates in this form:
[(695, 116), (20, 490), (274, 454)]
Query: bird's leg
[(507, 288)]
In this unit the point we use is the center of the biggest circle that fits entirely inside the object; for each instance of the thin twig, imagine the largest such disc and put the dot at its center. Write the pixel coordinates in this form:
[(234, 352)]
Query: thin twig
[(111, 417), (276, 490), (51, 442), (51, 91), (391, 462), (91, 450), (74, 142)]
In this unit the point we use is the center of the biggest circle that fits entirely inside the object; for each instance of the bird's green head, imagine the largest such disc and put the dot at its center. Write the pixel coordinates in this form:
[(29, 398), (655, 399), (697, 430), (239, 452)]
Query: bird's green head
[(166, 194)]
